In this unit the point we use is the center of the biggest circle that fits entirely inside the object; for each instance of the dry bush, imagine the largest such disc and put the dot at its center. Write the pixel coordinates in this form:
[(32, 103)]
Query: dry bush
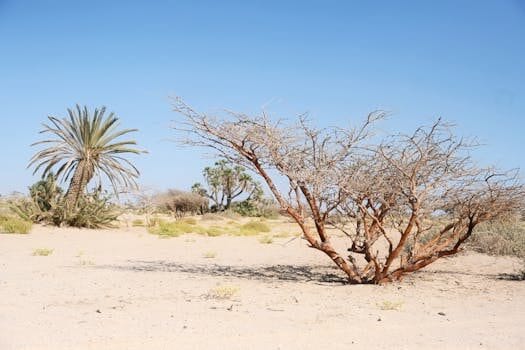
[(181, 203), (500, 238), (403, 203)]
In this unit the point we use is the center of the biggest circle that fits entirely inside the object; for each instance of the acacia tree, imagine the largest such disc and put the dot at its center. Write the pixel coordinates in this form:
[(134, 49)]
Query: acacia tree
[(418, 198), (411, 199), (225, 182)]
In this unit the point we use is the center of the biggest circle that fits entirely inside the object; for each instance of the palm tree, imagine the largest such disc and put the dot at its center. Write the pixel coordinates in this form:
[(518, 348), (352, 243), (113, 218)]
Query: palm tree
[(83, 146)]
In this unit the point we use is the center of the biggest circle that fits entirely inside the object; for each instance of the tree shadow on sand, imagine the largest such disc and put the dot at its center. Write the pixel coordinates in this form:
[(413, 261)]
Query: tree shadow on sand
[(292, 273)]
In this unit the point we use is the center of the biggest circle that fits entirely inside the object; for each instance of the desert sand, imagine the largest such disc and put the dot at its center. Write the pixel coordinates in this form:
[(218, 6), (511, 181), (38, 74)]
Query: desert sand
[(128, 289)]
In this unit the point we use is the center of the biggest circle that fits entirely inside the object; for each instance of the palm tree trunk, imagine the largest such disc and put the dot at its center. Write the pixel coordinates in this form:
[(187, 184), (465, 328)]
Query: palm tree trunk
[(77, 185)]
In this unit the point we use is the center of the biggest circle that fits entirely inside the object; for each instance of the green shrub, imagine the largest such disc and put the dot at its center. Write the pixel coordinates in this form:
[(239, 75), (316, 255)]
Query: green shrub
[(46, 193), (14, 225), (253, 228)]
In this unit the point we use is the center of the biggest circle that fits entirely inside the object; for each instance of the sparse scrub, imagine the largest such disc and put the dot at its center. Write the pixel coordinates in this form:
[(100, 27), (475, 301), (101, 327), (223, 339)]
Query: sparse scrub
[(42, 252), (178, 228)]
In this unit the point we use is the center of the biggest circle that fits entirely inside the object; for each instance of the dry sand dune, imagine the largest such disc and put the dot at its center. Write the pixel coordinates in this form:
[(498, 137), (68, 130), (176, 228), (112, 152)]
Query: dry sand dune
[(127, 289)]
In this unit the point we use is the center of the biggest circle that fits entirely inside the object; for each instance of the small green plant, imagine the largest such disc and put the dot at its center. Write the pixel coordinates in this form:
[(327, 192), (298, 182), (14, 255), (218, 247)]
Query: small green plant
[(10, 224), (42, 252), (253, 228), (390, 305), (266, 239), (209, 255), (223, 292)]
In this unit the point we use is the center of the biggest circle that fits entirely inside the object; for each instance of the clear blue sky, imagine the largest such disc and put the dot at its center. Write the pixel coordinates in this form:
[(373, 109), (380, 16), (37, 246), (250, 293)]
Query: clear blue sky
[(337, 60)]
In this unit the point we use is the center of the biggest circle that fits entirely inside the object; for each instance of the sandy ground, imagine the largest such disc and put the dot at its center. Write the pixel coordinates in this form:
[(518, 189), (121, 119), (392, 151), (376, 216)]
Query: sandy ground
[(127, 289)]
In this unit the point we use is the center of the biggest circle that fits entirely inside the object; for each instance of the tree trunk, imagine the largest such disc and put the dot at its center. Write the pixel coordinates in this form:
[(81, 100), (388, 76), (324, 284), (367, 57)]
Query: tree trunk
[(77, 185)]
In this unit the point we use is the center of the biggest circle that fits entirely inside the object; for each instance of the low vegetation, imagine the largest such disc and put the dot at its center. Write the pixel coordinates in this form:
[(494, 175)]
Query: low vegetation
[(11, 224), (42, 252), (209, 255), (223, 292), (266, 239), (388, 305), (253, 228), (500, 238)]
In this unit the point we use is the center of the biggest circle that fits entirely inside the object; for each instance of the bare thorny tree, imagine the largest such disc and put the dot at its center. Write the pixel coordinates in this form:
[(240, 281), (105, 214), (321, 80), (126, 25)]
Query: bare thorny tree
[(403, 204)]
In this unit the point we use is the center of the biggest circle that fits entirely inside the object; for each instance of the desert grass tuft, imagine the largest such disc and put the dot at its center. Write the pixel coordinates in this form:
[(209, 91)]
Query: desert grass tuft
[(266, 239), (42, 252), (10, 224), (223, 292), (170, 229), (253, 228), (209, 255), (388, 305)]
